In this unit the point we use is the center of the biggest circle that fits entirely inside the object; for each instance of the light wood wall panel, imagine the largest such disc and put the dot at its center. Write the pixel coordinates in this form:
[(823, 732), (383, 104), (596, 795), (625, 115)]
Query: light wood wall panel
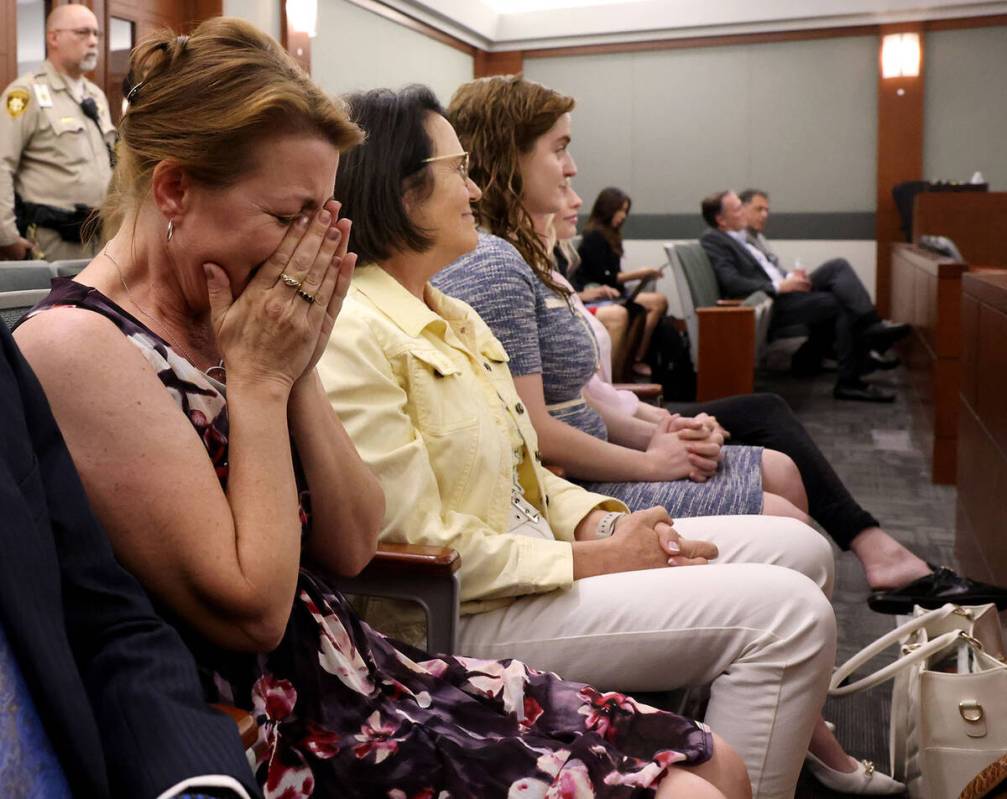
[(8, 41)]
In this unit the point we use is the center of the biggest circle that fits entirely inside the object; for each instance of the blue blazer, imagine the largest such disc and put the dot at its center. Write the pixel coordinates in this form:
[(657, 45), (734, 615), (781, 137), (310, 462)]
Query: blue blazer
[(114, 686)]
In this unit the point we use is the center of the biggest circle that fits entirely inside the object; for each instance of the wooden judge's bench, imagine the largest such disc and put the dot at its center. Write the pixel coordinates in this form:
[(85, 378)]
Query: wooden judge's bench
[(927, 293)]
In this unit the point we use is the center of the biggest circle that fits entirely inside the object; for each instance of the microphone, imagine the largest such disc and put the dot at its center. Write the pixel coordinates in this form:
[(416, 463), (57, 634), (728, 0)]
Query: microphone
[(90, 109)]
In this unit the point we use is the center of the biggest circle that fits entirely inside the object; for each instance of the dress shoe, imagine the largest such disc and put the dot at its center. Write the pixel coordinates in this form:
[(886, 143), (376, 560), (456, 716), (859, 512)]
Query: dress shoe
[(881, 335), (936, 589), (860, 391), (864, 780), (877, 361)]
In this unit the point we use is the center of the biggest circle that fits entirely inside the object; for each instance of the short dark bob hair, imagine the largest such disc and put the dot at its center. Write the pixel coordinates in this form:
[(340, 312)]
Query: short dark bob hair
[(374, 177)]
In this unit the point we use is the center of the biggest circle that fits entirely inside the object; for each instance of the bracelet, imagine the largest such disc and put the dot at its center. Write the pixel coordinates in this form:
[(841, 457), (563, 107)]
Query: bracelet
[(607, 524)]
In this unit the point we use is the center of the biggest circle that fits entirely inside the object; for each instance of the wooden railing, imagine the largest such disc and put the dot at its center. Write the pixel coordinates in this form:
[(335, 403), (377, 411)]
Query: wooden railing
[(980, 540), (926, 293)]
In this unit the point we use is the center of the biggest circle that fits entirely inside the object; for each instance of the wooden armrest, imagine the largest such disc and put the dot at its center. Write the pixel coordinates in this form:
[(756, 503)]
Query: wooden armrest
[(559, 471), (247, 728), (726, 349), (710, 310), (413, 559), (642, 390), (729, 303)]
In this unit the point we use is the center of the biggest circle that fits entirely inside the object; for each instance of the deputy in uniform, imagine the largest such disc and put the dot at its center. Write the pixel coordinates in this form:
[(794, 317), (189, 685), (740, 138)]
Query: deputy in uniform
[(56, 145)]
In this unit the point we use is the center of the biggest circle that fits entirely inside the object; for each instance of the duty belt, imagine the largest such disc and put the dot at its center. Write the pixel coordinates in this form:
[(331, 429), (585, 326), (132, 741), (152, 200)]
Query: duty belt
[(67, 223)]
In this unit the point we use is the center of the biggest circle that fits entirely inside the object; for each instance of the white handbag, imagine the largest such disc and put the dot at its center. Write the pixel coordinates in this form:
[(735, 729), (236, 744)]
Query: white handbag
[(949, 701)]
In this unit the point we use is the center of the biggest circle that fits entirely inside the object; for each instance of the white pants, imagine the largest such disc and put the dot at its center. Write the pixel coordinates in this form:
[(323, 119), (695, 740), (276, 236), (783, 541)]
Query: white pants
[(752, 624)]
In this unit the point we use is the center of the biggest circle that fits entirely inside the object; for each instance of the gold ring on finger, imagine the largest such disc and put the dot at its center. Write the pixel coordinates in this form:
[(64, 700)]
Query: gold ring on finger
[(293, 282), (308, 298)]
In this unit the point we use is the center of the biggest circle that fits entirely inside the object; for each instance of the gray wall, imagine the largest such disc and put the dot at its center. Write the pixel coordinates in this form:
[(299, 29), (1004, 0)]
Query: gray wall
[(357, 49), (264, 14), (965, 115), (797, 118)]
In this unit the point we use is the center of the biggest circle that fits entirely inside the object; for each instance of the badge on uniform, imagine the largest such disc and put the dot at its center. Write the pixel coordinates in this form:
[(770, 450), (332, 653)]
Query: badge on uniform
[(42, 95), (17, 102)]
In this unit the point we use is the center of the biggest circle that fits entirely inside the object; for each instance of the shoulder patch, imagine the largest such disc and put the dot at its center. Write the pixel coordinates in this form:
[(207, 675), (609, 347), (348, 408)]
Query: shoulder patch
[(16, 102)]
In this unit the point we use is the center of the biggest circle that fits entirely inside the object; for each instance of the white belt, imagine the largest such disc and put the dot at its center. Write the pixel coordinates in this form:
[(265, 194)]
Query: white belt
[(562, 406)]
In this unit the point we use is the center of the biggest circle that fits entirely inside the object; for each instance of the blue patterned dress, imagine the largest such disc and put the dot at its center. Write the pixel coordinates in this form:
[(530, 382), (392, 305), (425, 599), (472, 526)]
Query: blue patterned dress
[(343, 712), (544, 334)]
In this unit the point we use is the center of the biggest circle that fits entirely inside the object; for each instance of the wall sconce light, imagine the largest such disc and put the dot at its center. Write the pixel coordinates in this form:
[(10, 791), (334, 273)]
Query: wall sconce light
[(900, 55), (302, 16)]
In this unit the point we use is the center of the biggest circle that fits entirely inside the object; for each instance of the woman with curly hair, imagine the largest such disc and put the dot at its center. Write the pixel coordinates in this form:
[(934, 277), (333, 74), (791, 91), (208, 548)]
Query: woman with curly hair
[(518, 134)]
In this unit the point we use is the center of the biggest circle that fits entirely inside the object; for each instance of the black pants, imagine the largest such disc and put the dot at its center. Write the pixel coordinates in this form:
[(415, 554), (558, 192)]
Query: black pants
[(766, 420), (836, 309)]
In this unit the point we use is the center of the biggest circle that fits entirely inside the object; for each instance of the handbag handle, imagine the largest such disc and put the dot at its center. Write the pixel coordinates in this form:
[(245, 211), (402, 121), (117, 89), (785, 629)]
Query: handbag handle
[(875, 648)]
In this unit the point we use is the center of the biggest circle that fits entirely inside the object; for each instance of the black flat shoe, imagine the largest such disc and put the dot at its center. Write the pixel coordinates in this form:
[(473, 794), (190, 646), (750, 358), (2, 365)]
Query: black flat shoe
[(936, 589), (861, 392)]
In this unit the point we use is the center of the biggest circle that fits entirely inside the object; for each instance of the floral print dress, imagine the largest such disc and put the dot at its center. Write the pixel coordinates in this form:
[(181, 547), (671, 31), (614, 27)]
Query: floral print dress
[(345, 712)]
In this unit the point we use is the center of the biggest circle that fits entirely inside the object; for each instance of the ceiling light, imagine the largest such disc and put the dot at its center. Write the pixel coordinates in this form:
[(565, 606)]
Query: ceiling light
[(900, 55), (302, 16)]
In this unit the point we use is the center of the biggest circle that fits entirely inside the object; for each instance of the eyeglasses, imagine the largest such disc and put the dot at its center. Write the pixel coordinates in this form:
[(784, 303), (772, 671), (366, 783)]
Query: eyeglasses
[(463, 163), (81, 33)]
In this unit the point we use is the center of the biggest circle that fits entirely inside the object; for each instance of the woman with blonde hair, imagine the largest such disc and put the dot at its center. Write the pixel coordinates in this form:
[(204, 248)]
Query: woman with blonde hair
[(181, 366)]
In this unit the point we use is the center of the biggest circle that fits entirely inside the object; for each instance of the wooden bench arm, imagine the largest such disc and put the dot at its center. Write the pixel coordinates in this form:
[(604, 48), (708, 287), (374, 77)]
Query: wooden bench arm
[(726, 351), (642, 390), (413, 559), (729, 303), (247, 728)]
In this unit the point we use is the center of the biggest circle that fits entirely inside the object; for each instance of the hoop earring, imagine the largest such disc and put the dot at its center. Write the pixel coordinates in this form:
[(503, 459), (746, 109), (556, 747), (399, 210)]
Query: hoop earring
[(171, 228)]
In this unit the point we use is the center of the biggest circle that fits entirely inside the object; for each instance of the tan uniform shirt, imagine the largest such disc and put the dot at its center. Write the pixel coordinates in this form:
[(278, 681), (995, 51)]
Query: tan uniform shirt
[(50, 152)]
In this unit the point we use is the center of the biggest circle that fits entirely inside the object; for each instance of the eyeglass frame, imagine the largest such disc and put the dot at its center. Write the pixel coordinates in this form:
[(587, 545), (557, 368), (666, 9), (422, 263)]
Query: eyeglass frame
[(81, 32), (464, 162)]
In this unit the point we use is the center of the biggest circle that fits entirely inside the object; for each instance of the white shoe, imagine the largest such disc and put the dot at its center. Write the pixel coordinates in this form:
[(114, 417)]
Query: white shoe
[(863, 780)]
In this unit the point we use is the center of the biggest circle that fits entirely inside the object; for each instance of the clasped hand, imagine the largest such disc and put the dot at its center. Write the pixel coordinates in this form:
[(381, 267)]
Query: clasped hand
[(647, 539), (688, 447), (271, 332)]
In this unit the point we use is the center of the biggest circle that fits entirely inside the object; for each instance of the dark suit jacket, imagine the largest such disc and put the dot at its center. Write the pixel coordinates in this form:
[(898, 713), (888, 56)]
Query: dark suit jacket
[(738, 273), (114, 686)]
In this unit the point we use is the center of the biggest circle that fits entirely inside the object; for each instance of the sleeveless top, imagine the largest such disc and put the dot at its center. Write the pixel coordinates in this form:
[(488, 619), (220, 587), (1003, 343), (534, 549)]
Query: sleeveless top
[(344, 711)]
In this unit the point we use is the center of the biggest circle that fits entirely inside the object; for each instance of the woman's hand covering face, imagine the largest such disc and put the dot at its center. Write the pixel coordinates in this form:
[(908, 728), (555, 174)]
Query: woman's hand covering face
[(271, 331)]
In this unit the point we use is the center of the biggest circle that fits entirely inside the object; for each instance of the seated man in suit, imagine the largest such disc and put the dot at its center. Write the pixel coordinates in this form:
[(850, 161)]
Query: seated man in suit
[(755, 203), (98, 696), (831, 301)]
